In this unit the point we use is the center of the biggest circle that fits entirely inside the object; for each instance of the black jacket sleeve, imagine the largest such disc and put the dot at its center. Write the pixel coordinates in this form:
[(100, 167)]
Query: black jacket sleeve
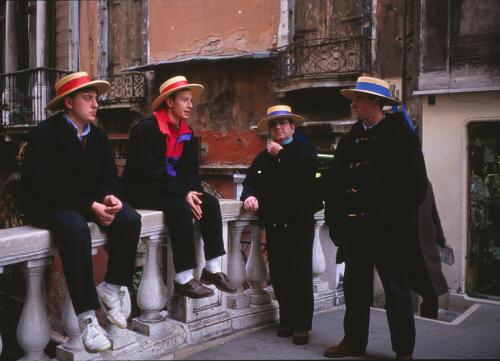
[(146, 163), (41, 179)]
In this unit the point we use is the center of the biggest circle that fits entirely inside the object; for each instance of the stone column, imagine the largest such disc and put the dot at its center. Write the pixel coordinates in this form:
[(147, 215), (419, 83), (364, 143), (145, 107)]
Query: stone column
[(256, 270), (9, 92), (33, 329), (319, 262), (73, 349), (152, 294), (41, 89), (236, 267)]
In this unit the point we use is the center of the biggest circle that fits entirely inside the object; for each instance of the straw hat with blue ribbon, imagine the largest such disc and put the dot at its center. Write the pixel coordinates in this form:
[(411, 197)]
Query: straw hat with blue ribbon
[(371, 86), (279, 112), (73, 82), (379, 88)]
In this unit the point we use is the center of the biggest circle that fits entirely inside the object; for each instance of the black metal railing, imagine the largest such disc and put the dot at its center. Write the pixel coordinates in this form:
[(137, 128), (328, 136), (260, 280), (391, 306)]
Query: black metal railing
[(322, 58), (127, 87), (25, 94)]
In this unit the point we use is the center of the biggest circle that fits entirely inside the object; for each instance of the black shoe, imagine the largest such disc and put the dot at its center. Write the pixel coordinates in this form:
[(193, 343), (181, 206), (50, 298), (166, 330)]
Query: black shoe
[(300, 337), (284, 331), (193, 289), (218, 279)]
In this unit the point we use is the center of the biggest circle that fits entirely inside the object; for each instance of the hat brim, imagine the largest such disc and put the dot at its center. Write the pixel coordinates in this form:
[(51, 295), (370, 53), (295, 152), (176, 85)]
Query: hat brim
[(101, 86), (263, 124), (351, 94), (196, 90)]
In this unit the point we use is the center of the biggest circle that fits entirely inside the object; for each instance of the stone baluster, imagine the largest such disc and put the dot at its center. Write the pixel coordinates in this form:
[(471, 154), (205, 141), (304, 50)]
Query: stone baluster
[(318, 262), (33, 329), (152, 294), (256, 270), (236, 267), (71, 327)]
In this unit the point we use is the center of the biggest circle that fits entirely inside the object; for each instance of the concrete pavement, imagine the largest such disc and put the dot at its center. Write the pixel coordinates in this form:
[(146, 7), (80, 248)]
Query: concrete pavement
[(473, 335)]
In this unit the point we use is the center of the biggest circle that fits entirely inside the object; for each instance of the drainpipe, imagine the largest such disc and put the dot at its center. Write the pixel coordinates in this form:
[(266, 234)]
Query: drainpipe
[(76, 37), (403, 54)]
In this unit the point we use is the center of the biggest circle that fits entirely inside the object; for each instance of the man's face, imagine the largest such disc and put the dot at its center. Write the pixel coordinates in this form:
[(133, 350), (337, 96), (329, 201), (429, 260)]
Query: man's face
[(82, 107), (363, 107), (182, 105), (281, 129)]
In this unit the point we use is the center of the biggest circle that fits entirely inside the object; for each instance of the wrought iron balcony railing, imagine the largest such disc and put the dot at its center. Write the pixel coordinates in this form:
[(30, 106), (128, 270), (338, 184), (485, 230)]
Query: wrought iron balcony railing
[(322, 58), (128, 87), (25, 94)]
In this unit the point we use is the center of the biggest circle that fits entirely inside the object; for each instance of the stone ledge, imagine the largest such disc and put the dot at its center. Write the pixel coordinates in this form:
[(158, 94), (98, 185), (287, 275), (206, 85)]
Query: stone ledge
[(23, 243)]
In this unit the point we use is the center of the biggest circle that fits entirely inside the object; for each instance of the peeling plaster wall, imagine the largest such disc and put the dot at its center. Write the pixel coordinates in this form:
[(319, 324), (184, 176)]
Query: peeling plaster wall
[(89, 27), (192, 28), (236, 97)]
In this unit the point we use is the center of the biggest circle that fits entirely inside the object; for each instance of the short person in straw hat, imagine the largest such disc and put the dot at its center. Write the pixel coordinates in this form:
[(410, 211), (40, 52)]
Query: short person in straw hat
[(280, 187), (162, 173), (69, 178), (375, 183)]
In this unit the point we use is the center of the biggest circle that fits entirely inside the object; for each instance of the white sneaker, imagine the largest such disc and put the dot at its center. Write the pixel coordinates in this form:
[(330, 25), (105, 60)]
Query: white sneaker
[(111, 302), (94, 338)]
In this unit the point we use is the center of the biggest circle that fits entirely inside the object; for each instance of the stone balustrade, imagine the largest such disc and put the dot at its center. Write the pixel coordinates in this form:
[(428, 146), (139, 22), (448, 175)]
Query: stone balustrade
[(168, 324)]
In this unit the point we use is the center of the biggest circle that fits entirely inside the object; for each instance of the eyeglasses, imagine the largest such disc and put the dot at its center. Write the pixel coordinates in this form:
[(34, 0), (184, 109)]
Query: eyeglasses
[(273, 123)]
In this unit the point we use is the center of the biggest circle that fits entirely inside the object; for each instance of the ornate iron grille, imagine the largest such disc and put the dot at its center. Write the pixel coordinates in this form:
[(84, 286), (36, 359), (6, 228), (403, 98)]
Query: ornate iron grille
[(25, 95), (126, 87), (322, 58)]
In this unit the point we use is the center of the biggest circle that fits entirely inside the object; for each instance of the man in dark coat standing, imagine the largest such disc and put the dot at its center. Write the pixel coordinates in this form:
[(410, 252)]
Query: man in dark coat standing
[(69, 178), (376, 181), (279, 186), (162, 173)]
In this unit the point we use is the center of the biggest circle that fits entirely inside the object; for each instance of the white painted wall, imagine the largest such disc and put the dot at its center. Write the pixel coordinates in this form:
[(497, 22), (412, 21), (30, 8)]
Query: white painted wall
[(444, 140)]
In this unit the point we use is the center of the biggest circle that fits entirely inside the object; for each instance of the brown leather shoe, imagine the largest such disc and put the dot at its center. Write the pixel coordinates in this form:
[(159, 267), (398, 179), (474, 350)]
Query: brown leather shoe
[(343, 350), (193, 289), (300, 337), (218, 279)]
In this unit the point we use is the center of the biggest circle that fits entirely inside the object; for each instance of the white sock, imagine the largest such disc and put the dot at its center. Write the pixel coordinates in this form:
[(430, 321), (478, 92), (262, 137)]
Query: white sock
[(84, 315), (212, 265), (184, 276)]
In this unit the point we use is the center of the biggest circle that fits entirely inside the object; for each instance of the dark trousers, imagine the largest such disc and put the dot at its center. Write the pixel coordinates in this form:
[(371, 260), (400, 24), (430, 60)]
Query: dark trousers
[(358, 293), (290, 267), (179, 220), (72, 234)]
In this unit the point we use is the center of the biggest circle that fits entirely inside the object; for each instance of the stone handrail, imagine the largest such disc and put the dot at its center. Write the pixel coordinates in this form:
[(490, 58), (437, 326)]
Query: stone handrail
[(162, 331)]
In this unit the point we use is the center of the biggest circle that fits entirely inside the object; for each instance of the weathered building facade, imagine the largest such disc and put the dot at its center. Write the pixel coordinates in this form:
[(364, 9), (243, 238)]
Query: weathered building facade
[(440, 56)]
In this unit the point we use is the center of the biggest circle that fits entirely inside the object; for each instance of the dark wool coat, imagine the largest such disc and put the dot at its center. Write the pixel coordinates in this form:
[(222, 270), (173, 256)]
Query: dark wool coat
[(430, 237), (145, 174), (284, 185), (58, 173), (375, 183)]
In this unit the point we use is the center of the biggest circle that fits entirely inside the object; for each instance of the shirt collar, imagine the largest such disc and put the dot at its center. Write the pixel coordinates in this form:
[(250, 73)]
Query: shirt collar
[(165, 123), (86, 128)]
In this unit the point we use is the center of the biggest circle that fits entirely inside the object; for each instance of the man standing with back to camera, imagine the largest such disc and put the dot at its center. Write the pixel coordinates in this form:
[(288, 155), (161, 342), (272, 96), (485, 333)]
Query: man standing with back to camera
[(375, 183)]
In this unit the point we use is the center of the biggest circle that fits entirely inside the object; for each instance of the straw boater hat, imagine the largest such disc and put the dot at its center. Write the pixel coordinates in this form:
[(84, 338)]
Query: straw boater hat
[(175, 84), (279, 111), (372, 86), (71, 83)]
